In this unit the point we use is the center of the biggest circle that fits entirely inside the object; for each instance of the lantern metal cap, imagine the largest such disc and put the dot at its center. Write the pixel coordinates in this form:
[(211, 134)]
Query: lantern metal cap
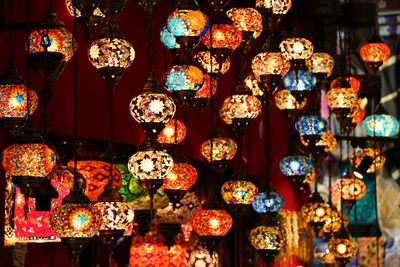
[(152, 85), (110, 193), (51, 21), (111, 30)]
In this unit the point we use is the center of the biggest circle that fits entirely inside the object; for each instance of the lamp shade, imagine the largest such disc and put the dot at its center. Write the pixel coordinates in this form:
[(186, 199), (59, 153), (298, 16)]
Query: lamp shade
[(295, 165), (300, 80), (268, 202), (328, 141), (173, 133), (150, 165), (223, 36), (246, 19), (220, 148), (152, 108), (296, 48), (335, 221), (279, 7), (374, 52), (343, 98), (35, 160), (211, 222), (210, 63), (266, 63), (311, 125), (381, 125), (114, 215), (182, 177), (284, 100), (209, 86), (316, 212), (352, 81), (239, 192), (14, 100), (168, 39), (188, 23), (267, 238), (183, 78), (349, 189), (342, 246), (320, 63), (242, 107)]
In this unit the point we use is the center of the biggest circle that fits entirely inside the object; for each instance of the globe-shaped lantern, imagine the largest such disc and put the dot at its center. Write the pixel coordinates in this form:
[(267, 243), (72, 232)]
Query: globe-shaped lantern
[(209, 222), (279, 7), (321, 64), (149, 250), (219, 150), (326, 144), (299, 83), (296, 48), (374, 157), (28, 164), (168, 39), (184, 81), (352, 81), (288, 104), (15, 101), (204, 94), (49, 47), (173, 133), (296, 168), (238, 193), (340, 101), (349, 189), (266, 202), (209, 63), (111, 54), (375, 52), (381, 125), (342, 246), (268, 240), (335, 221), (316, 212), (311, 128), (322, 253)]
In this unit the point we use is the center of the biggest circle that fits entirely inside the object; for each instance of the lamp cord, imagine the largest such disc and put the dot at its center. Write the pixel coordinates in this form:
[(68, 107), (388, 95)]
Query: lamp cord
[(28, 69), (75, 100)]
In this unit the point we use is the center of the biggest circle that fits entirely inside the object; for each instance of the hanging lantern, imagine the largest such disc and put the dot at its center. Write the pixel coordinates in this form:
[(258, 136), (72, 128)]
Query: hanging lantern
[(173, 133), (204, 94), (239, 192), (325, 145), (219, 150), (267, 202), (268, 240), (375, 52), (14, 101), (279, 7), (342, 246), (349, 189), (211, 222), (321, 64), (323, 255), (296, 48), (341, 100), (111, 54), (316, 212), (224, 116), (285, 101), (381, 125), (184, 81), (49, 47), (299, 83), (311, 125), (168, 39), (296, 168), (352, 81), (97, 176), (209, 63), (335, 221), (376, 160)]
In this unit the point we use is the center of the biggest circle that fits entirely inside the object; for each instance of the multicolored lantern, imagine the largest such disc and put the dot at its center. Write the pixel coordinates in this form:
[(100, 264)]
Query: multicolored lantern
[(219, 148), (270, 238), (246, 19), (210, 64), (311, 125), (295, 165), (285, 101), (152, 108), (114, 215), (352, 81), (296, 48), (173, 133), (341, 100), (184, 78), (279, 7), (168, 39), (349, 189), (212, 222), (381, 125), (224, 36), (210, 85), (321, 64), (299, 82), (322, 253), (375, 53), (269, 63), (239, 192), (375, 153), (182, 177), (188, 23), (242, 107), (335, 221), (268, 202), (342, 246), (316, 212)]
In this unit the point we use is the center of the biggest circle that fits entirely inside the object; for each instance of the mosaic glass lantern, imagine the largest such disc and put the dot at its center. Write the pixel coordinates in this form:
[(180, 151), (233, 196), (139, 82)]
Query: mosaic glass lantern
[(267, 238), (341, 100), (239, 192), (246, 19), (268, 202), (322, 254), (111, 54), (130, 189), (381, 125), (321, 64), (316, 212), (202, 96), (279, 7), (349, 189), (299, 82), (150, 165), (352, 81), (296, 48), (285, 101), (327, 142), (211, 222), (182, 177), (269, 63), (97, 176), (335, 221), (252, 84), (188, 23), (168, 39), (378, 158), (224, 36), (173, 133), (114, 215), (311, 125), (375, 53), (240, 106), (224, 116), (342, 246), (295, 165), (210, 64), (219, 149)]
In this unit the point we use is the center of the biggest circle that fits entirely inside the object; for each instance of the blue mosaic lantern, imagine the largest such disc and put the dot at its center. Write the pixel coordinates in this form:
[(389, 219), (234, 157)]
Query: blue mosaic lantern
[(311, 125), (295, 165), (299, 82), (168, 39), (381, 125), (188, 23), (268, 202)]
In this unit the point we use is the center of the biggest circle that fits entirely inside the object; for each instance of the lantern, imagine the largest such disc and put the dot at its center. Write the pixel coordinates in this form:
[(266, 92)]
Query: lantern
[(246, 19), (239, 192), (374, 53), (168, 39), (240, 106), (130, 189), (352, 81), (268, 202), (200, 256), (173, 133), (295, 165), (316, 212), (377, 159), (219, 149), (149, 250), (268, 240), (335, 221), (299, 82), (285, 101), (210, 64), (311, 125), (341, 100), (266, 63), (349, 189), (279, 7), (211, 222), (182, 177), (296, 48), (381, 125), (150, 165), (342, 246), (204, 94), (225, 36), (321, 64)]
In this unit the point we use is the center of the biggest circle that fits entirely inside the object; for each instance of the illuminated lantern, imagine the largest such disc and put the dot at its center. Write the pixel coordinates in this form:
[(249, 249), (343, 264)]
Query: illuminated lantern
[(268, 202), (251, 83), (279, 7), (224, 116), (111, 54), (299, 83), (168, 39), (182, 177), (316, 212), (239, 192), (311, 125), (130, 189), (326, 143), (376, 159), (184, 81), (322, 253), (342, 246), (14, 101), (352, 81), (49, 47), (375, 52), (150, 165), (349, 189), (268, 240), (296, 168), (381, 125), (219, 150), (173, 133), (211, 222), (296, 48), (97, 176), (204, 94), (341, 100), (321, 64), (209, 63), (285, 101), (335, 221)]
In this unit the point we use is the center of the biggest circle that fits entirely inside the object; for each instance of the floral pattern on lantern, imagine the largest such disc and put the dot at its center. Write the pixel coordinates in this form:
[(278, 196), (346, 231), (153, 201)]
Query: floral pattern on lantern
[(349, 188), (61, 41), (114, 215), (157, 108), (150, 165), (212, 222), (320, 63), (182, 177), (238, 192), (335, 221), (36, 160), (267, 237), (173, 133), (354, 83), (223, 36), (220, 148), (168, 39), (97, 176), (13, 101), (269, 63), (381, 125), (188, 23), (295, 165), (296, 48), (246, 20), (284, 100), (210, 84), (301, 80), (341, 98), (376, 154), (311, 125), (184, 78), (75, 220), (211, 64), (374, 52), (242, 106), (268, 202), (111, 52)]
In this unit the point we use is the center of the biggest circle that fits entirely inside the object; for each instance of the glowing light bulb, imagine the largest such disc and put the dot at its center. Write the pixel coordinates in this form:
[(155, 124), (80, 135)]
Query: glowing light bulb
[(341, 248)]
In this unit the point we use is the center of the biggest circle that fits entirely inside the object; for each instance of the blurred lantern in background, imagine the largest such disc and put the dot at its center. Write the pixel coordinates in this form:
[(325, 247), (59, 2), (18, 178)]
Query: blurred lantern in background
[(349, 189), (316, 212), (381, 125), (368, 159), (266, 202), (168, 39), (342, 246), (173, 133), (375, 52), (288, 104), (268, 240), (204, 94)]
